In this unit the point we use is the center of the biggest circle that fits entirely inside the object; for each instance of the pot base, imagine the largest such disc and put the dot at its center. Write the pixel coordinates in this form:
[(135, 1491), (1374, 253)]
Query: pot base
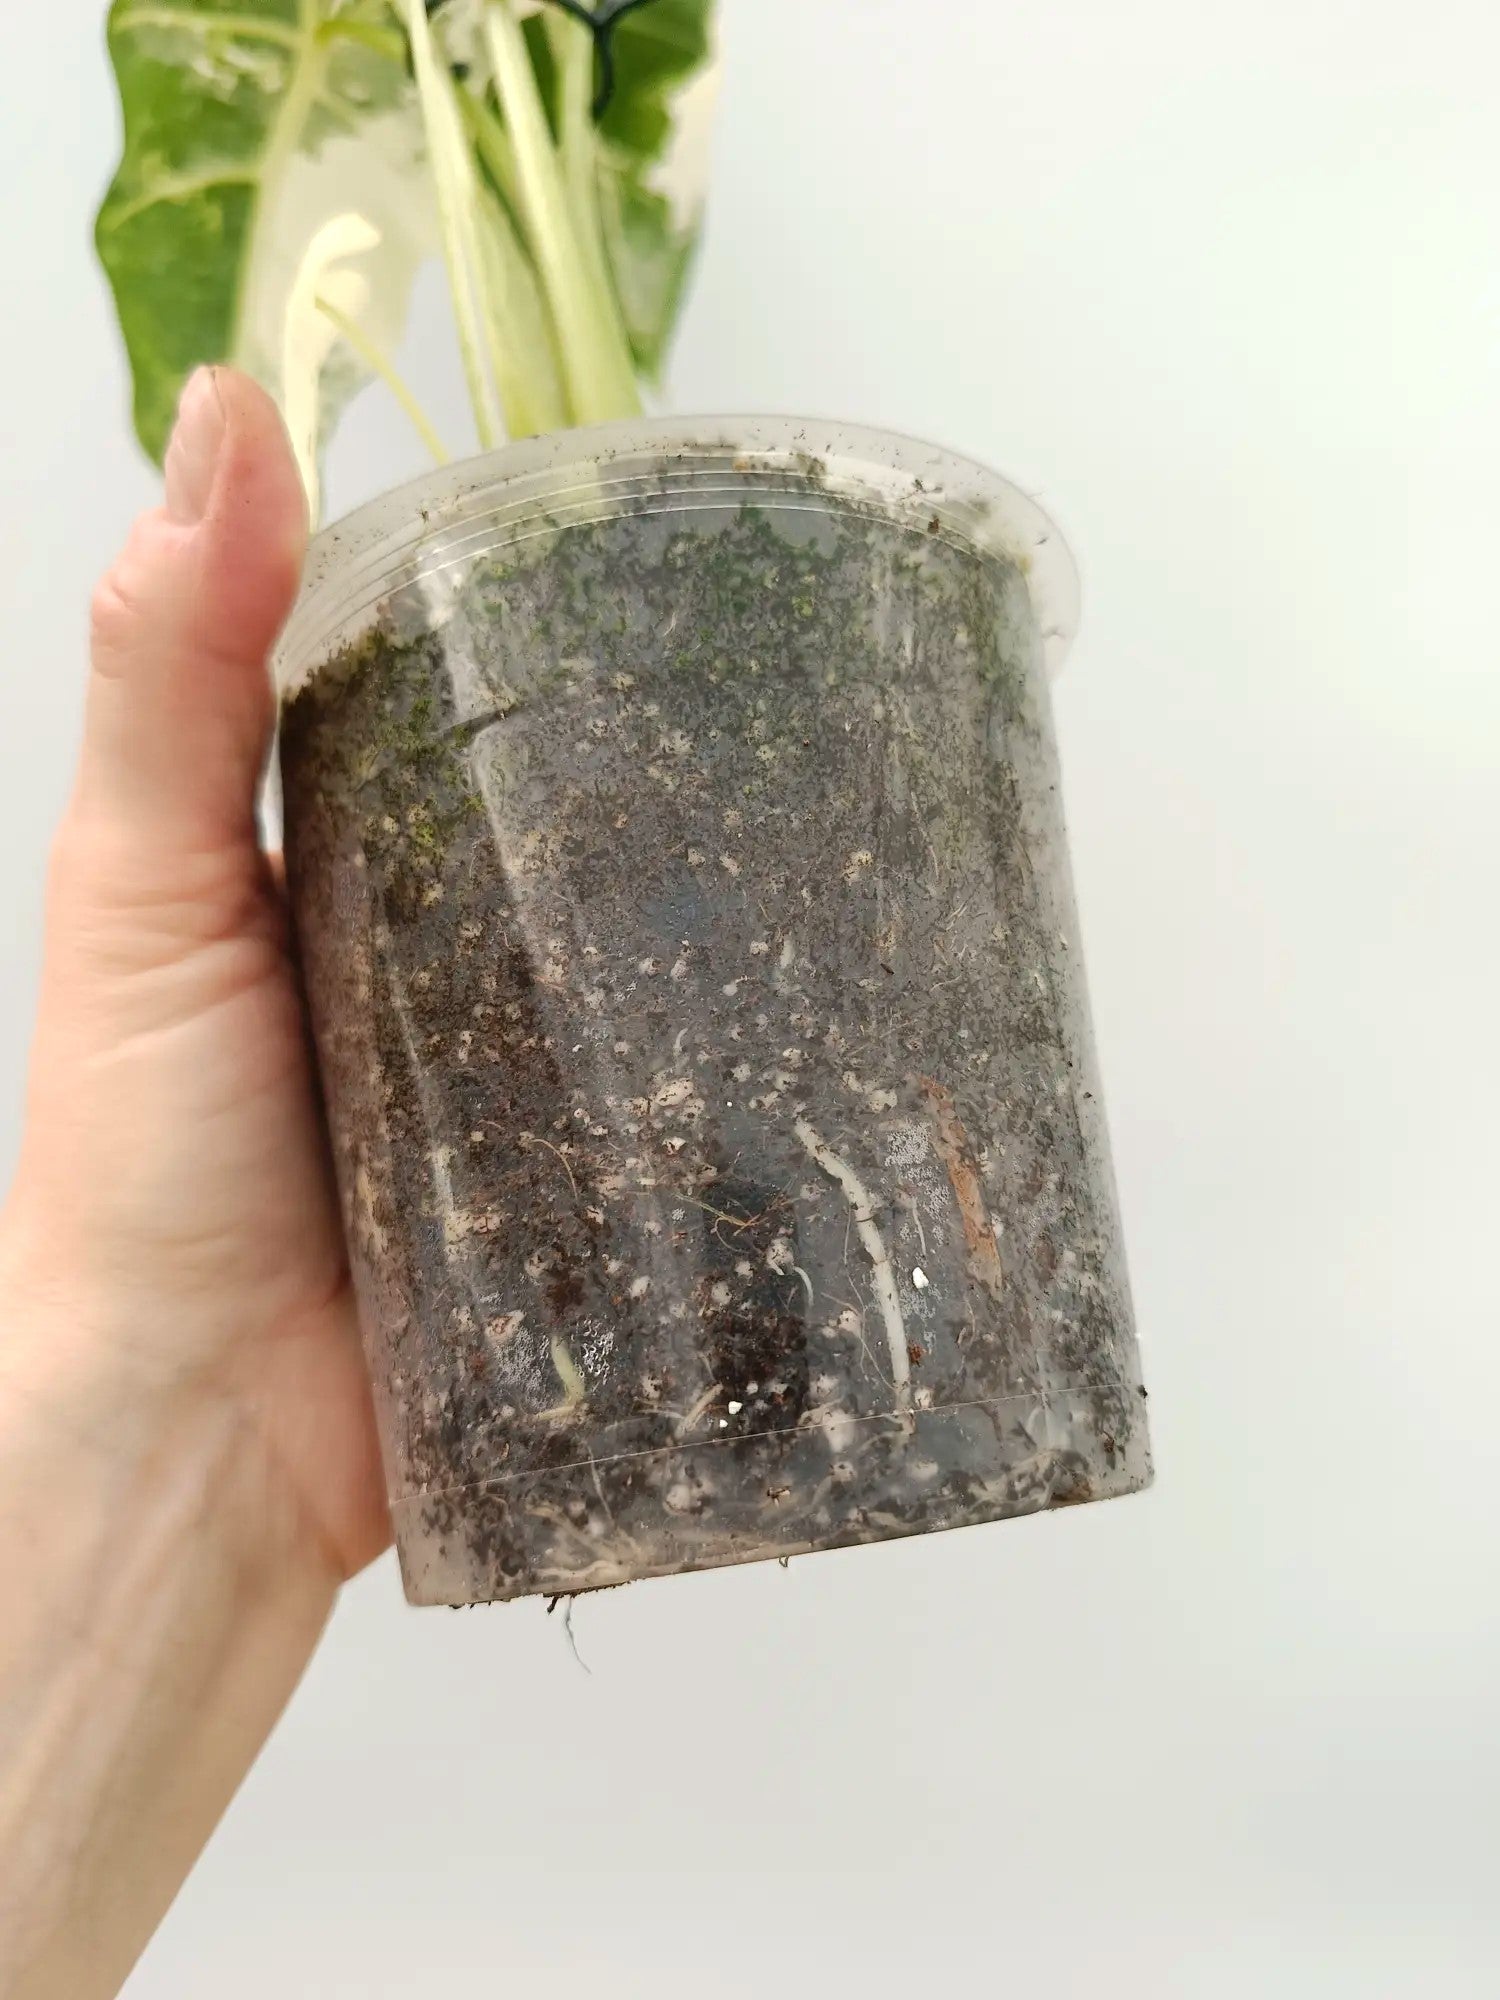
[(620, 1516)]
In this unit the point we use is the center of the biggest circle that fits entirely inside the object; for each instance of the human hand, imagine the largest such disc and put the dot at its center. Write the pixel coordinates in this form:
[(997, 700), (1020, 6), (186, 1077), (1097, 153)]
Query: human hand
[(188, 1467)]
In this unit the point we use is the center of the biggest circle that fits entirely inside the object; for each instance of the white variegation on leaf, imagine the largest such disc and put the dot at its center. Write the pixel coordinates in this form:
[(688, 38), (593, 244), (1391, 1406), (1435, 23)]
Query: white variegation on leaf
[(328, 289), (268, 152), (289, 164), (357, 220)]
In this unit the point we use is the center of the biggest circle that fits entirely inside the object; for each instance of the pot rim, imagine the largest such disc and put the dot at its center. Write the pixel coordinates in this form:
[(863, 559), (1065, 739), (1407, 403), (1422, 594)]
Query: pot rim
[(457, 512)]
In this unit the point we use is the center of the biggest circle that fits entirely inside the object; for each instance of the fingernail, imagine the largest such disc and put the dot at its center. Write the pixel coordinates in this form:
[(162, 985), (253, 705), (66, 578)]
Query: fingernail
[(193, 454)]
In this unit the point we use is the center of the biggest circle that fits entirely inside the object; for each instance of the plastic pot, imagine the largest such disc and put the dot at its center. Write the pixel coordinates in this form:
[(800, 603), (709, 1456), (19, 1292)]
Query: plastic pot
[(678, 867)]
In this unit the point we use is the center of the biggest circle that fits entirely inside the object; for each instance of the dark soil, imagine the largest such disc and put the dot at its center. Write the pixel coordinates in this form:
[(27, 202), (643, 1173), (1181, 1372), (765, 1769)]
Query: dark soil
[(690, 946)]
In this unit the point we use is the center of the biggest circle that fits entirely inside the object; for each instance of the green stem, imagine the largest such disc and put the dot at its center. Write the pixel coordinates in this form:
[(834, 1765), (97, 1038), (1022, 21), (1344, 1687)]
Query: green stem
[(380, 364), (578, 144), (453, 181), (533, 394), (598, 373), (492, 143), (525, 359)]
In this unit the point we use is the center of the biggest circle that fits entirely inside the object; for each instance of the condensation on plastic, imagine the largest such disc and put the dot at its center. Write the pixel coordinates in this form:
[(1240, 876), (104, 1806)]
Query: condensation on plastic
[(942, 1273)]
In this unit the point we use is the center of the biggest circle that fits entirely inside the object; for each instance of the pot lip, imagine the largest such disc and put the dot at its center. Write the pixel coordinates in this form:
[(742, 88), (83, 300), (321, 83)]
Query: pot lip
[(360, 559)]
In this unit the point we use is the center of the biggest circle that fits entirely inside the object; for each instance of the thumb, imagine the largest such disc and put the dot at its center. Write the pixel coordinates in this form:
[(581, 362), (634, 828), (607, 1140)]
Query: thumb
[(180, 706)]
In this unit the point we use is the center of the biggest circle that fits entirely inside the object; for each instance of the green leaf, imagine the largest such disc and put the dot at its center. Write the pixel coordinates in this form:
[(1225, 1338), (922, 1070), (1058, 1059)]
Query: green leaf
[(650, 257), (653, 166), (658, 48), (272, 155)]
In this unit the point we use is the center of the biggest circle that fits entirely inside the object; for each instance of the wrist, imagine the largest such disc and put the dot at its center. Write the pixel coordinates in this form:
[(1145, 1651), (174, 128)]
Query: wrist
[(161, 1599)]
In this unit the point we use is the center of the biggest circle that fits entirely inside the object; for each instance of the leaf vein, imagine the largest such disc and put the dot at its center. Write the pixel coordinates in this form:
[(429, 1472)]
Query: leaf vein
[(183, 188), (247, 27)]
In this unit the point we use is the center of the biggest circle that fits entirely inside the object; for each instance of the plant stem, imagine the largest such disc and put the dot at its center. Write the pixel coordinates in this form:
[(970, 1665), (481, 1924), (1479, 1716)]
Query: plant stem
[(573, 54), (492, 144), (380, 364), (598, 374), (526, 364), (528, 370), (453, 181)]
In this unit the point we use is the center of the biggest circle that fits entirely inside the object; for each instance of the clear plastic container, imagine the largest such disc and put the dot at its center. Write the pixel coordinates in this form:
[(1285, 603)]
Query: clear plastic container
[(677, 860)]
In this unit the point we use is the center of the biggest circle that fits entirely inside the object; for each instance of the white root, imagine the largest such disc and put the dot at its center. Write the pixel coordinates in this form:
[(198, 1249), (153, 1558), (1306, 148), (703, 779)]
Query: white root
[(689, 1420), (575, 1395), (882, 1273)]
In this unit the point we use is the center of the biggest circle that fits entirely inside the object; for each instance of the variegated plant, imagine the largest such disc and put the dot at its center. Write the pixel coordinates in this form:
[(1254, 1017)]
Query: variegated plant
[(289, 164)]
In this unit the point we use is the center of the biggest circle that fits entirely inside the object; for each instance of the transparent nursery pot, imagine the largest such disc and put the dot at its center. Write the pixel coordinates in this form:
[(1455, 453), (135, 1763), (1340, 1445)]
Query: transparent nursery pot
[(678, 868)]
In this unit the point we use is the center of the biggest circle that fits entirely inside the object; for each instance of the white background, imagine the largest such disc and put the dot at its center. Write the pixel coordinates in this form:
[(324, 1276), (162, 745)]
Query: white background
[(1219, 283)]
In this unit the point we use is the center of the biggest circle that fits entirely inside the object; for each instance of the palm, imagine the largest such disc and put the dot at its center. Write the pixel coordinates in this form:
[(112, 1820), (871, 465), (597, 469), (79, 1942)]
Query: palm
[(197, 1150), (176, 1145), (271, 1226)]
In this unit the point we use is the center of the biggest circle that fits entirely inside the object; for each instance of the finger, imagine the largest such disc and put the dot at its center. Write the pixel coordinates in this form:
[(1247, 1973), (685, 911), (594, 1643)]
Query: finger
[(180, 707)]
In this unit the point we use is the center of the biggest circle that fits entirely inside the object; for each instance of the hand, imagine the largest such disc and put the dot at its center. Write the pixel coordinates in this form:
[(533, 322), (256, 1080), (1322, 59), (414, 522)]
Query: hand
[(188, 1468)]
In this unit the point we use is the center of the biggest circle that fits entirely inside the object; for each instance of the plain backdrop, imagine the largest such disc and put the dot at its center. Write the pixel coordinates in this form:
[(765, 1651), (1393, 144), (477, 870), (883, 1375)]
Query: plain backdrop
[(1221, 284)]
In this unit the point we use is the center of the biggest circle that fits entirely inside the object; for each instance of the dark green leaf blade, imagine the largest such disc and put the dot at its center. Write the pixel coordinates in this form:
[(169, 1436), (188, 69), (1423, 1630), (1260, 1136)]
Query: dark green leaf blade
[(651, 256), (657, 48), (650, 186)]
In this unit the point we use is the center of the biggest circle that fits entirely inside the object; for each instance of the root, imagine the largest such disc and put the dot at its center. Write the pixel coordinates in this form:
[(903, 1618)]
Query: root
[(883, 1276), (574, 1392), (536, 1139)]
